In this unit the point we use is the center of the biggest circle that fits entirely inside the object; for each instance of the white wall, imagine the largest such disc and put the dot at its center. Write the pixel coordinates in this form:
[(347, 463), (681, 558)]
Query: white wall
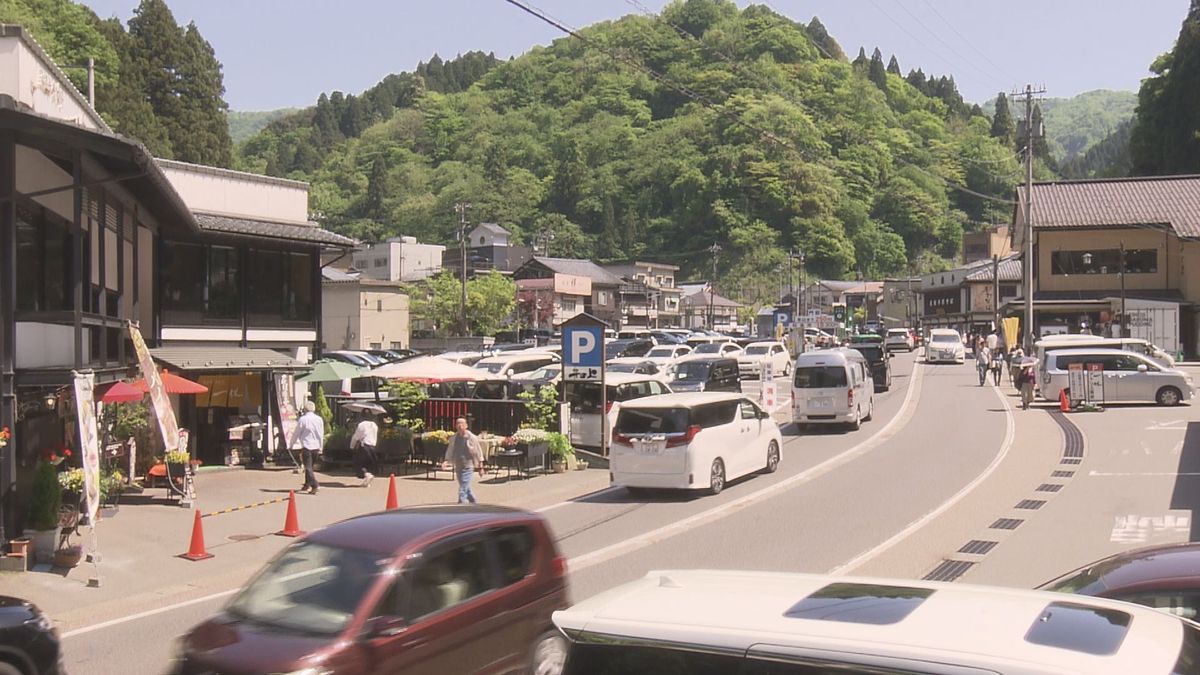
[(44, 345), (31, 78), (238, 194)]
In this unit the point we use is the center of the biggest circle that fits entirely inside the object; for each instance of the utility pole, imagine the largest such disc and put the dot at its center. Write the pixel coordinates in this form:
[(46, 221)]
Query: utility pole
[(996, 293), (461, 209), (715, 249), (1124, 320), (1029, 262)]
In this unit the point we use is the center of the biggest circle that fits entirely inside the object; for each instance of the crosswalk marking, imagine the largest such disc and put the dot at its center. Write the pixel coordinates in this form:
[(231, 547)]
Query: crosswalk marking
[(1134, 529)]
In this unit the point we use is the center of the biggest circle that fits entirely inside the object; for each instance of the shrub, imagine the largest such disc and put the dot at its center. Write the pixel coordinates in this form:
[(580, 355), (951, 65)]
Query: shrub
[(528, 435), (405, 403), (437, 436), (323, 411), (559, 445), (178, 457), (541, 407), (45, 498)]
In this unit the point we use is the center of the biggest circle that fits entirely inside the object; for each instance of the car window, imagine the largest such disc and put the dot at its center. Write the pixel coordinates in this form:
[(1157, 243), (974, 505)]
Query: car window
[(514, 549), (584, 396), (749, 410), (449, 578), (714, 414), (820, 377), (633, 421), (587, 659), (659, 388)]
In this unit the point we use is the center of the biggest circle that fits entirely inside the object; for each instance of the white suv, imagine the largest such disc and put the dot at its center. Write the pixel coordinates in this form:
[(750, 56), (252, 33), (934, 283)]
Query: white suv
[(752, 623), (899, 338), (945, 345), (692, 440), (757, 354)]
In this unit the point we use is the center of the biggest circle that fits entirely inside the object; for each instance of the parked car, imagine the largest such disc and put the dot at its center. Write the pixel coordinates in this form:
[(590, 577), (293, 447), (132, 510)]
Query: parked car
[(706, 373), (359, 359), (1052, 343), (536, 379), (879, 360), (635, 334), (1128, 377), (588, 417), (1165, 577), (832, 386), (467, 358), (663, 337), (439, 589), (690, 441), (29, 643), (723, 348), (392, 355), (633, 364), (666, 355), (945, 346), (899, 338), (631, 347), (772, 623), (757, 355), (513, 363)]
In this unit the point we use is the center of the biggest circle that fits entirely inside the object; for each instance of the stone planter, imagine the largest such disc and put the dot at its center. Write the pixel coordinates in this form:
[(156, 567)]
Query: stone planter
[(558, 465), (20, 546), (68, 557), (44, 543)]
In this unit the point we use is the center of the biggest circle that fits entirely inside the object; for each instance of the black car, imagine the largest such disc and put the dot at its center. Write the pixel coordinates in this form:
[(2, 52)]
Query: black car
[(631, 347), (28, 641), (716, 373), (880, 361)]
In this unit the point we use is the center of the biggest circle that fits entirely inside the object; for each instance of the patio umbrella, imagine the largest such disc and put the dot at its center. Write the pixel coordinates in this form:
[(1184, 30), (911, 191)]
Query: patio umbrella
[(328, 370), (174, 384), (429, 369), (122, 392), (361, 406)]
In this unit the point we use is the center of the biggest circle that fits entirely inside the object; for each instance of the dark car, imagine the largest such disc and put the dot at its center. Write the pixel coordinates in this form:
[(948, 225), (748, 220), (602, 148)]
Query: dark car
[(879, 360), (28, 641), (631, 347), (1166, 577), (444, 589), (392, 355), (706, 374)]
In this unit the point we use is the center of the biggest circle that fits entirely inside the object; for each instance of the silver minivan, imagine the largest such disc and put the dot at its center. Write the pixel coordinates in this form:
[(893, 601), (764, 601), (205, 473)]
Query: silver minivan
[(832, 386), (1128, 377), (1052, 343)]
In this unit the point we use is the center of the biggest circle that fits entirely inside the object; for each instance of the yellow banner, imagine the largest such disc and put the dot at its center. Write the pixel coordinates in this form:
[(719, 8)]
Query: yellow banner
[(1011, 326), (230, 391)]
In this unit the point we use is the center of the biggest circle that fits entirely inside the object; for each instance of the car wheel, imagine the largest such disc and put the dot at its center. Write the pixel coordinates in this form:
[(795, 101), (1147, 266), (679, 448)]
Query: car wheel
[(787, 370), (857, 423), (549, 654), (772, 457), (716, 477), (1168, 396), (870, 411)]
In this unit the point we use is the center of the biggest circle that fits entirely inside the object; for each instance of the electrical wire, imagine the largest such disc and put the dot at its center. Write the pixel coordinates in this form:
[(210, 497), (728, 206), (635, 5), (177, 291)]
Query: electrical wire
[(938, 37), (969, 43)]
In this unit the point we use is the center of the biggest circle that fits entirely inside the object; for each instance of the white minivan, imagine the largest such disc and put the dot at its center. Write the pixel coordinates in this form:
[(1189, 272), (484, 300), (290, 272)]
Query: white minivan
[(832, 386), (1128, 377), (692, 440), (587, 418)]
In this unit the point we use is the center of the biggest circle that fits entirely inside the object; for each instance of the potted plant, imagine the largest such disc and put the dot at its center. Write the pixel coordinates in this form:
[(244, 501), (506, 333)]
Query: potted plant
[(435, 442), (71, 482), (560, 450), (45, 503), (178, 462), (68, 556), (533, 443)]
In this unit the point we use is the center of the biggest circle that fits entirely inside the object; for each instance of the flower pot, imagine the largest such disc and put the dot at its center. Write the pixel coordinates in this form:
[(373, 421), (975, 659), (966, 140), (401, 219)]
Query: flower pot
[(20, 546), (558, 465), (44, 543), (68, 557)]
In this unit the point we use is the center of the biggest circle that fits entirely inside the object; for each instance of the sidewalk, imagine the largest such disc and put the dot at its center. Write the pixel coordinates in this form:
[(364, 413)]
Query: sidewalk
[(139, 567)]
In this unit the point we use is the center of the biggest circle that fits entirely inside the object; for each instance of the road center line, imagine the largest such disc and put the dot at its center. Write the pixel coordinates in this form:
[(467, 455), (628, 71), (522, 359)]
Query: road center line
[(586, 560), (1005, 447), (150, 612)]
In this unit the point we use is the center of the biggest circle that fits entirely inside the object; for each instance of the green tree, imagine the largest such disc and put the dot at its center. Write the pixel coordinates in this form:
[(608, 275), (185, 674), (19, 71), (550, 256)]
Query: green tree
[(893, 66), (1003, 128), (821, 37), (876, 71), (491, 299), (1166, 136), (123, 103)]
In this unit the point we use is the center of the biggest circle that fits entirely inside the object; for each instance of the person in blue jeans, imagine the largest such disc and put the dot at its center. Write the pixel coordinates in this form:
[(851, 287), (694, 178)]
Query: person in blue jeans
[(465, 455)]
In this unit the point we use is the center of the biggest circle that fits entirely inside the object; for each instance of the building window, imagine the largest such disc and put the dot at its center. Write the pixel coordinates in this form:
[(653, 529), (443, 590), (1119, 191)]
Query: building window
[(279, 288), (1104, 261), (570, 306), (381, 262), (379, 305), (43, 261), (481, 240), (1008, 291), (200, 285), (396, 345), (601, 297), (376, 345)]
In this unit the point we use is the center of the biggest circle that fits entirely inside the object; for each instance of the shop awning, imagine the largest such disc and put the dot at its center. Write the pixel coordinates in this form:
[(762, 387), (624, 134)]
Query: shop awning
[(206, 358)]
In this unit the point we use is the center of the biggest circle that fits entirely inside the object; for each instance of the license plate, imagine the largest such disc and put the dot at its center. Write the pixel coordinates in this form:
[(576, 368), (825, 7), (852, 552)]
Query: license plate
[(820, 403), (652, 447)]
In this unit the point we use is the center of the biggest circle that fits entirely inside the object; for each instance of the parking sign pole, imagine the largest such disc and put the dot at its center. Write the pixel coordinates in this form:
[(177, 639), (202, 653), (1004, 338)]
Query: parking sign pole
[(603, 408)]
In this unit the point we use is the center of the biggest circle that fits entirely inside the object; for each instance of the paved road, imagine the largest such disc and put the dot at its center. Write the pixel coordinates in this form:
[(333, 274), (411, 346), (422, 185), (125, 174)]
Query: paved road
[(839, 496)]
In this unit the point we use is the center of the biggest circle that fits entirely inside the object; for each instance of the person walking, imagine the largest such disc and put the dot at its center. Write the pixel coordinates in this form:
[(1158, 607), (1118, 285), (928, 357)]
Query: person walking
[(310, 433), (466, 456), (1025, 381), (983, 361), (997, 365), (362, 444)]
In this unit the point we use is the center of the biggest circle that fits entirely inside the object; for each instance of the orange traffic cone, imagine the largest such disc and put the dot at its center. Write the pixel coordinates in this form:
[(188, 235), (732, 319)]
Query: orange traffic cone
[(1064, 404), (291, 524), (196, 549), (392, 502)]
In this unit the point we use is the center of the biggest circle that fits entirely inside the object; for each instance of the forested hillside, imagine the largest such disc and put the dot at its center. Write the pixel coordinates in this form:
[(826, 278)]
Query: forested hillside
[(657, 136), (1165, 139), (1073, 125), (245, 123)]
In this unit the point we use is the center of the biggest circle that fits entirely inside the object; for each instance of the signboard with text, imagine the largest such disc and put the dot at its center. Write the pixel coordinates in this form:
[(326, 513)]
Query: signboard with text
[(1076, 382), (1095, 388), (583, 352)]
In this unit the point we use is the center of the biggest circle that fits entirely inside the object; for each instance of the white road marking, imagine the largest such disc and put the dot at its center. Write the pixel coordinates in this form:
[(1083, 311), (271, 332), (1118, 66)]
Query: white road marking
[(645, 539), (1133, 529), (142, 615), (1142, 473), (1009, 435), (1168, 426)]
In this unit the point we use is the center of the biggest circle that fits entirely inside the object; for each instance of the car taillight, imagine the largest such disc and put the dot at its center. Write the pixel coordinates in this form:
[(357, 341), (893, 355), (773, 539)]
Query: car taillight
[(623, 439), (850, 397), (684, 439), (558, 567), (608, 407)]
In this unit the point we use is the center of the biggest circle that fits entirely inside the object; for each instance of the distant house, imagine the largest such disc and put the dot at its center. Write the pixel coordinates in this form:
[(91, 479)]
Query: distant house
[(963, 298), (702, 308), (362, 313), (574, 273), (487, 234), (489, 248), (649, 296), (399, 259)]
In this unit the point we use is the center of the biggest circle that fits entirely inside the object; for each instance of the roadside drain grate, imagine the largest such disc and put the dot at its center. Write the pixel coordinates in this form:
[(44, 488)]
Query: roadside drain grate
[(1071, 460), (949, 570), (978, 547), (1049, 487), (244, 537), (1030, 504), (1006, 524), (1072, 437), (1063, 474)]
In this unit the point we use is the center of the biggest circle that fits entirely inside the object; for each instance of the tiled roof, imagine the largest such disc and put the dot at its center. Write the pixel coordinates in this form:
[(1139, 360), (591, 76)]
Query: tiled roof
[(701, 298), (493, 228), (580, 268), (265, 229), (1162, 200), (1010, 270), (219, 357)]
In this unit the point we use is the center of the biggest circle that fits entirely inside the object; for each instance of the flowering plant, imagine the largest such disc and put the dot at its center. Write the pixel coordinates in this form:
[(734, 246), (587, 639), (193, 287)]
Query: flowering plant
[(437, 436), (71, 480), (508, 442), (5, 434), (528, 435), (55, 456)]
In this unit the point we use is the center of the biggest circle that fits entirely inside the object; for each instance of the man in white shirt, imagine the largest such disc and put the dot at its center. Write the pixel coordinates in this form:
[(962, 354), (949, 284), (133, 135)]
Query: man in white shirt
[(310, 433), (362, 443)]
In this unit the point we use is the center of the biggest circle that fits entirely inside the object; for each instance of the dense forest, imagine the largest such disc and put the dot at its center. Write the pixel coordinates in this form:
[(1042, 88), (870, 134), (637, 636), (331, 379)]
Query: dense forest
[(1165, 139), (245, 123), (657, 135)]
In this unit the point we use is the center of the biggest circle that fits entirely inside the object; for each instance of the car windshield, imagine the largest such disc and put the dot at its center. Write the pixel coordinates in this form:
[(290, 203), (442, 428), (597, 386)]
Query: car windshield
[(625, 368), (310, 588), (547, 373), (872, 354), (708, 348), (691, 371), (494, 368), (634, 421), (753, 350), (820, 377), (947, 339), (661, 352)]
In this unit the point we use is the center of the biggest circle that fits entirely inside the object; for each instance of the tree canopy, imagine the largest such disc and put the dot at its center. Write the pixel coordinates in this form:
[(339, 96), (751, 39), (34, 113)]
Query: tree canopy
[(1165, 139)]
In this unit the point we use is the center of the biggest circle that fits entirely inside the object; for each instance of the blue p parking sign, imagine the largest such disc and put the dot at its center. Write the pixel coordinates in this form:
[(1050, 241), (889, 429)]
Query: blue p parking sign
[(583, 352)]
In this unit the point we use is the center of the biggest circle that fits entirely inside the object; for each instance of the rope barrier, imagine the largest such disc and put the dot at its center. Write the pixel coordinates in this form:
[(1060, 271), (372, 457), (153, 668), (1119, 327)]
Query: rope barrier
[(243, 508)]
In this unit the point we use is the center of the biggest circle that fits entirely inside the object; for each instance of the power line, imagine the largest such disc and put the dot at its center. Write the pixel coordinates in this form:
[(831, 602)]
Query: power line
[(937, 36), (969, 43)]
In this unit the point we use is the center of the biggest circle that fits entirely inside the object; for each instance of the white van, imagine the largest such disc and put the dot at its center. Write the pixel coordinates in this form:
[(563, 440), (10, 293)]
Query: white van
[(773, 623), (584, 398), (508, 364), (1128, 377), (1136, 345), (832, 386), (692, 440)]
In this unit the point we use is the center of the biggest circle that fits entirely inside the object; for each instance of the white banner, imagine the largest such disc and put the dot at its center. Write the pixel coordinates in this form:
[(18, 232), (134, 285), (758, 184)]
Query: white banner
[(285, 391), (158, 394), (89, 441)]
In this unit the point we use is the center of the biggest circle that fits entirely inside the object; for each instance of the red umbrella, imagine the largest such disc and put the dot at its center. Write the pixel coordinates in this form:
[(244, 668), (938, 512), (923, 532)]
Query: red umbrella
[(174, 384), (122, 392)]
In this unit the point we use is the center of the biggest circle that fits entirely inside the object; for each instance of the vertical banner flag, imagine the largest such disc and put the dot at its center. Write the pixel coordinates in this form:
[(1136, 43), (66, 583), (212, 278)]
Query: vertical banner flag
[(89, 441), (284, 397), (158, 394)]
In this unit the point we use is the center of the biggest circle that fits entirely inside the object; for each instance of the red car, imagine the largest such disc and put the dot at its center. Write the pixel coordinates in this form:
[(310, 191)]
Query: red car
[(446, 589), (1164, 577)]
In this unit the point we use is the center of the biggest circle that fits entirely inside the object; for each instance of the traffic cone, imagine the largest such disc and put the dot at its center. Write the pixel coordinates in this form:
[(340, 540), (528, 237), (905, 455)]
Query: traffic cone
[(1064, 405), (392, 502), (291, 524), (196, 549)]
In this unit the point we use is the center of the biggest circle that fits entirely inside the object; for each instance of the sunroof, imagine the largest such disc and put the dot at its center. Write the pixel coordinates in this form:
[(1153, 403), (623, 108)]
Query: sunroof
[(1091, 630), (860, 603)]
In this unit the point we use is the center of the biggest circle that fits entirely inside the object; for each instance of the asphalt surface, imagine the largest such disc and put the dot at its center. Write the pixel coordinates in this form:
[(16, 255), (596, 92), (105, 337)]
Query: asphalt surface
[(883, 500)]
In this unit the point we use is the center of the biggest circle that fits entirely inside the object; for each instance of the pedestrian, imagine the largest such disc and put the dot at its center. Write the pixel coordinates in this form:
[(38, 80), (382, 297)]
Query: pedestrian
[(465, 455), (310, 432), (997, 365), (1025, 381), (993, 340), (362, 444), (983, 361)]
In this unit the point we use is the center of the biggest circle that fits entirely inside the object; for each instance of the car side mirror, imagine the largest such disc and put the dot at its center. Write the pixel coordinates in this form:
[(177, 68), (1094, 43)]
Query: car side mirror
[(1142, 368), (764, 415), (387, 626)]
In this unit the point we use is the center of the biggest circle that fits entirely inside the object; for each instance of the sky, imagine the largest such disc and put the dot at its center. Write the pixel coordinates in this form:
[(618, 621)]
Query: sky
[(284, 53)]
